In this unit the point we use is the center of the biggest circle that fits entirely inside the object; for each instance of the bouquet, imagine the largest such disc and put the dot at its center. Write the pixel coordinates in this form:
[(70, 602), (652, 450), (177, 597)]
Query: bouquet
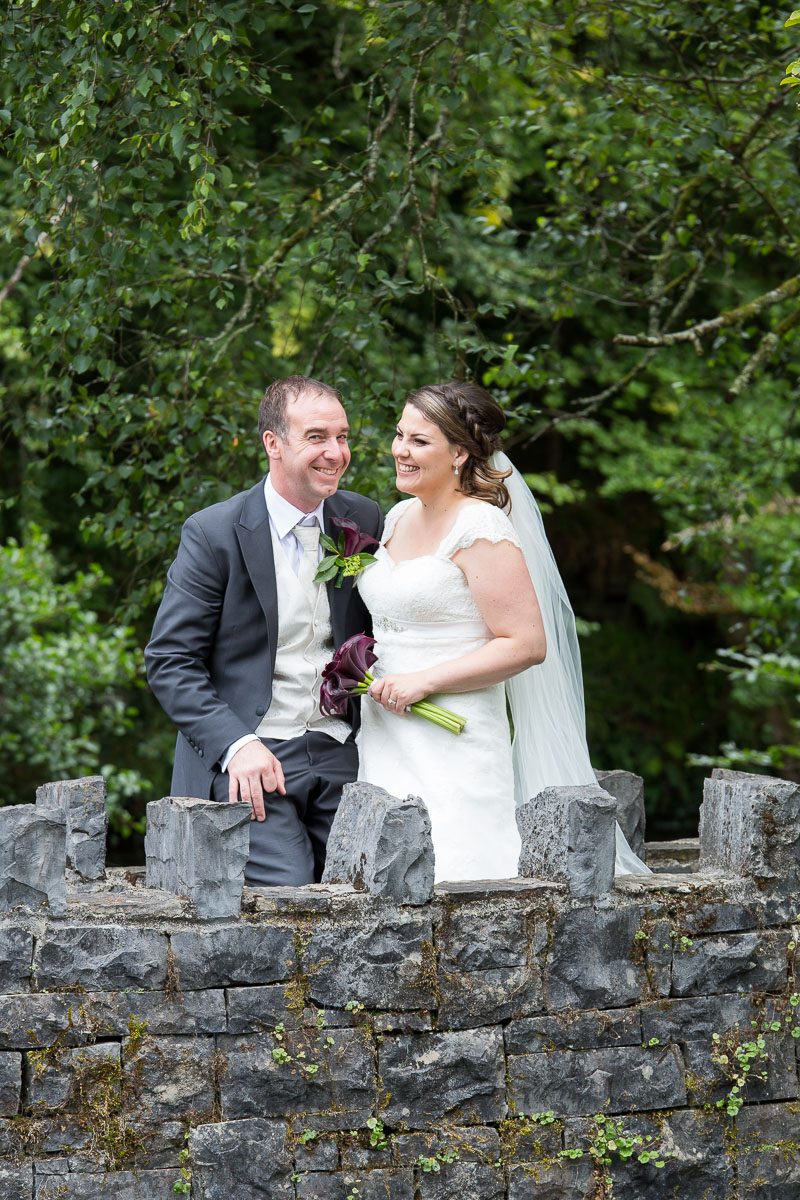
[(347, 674), (346, 557)]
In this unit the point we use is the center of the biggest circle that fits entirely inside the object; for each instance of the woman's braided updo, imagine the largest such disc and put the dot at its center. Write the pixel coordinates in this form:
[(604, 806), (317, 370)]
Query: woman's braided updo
[(468, 417)]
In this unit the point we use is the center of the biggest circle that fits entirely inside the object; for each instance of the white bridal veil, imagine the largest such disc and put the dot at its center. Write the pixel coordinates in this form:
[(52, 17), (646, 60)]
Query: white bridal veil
[(547, 705)]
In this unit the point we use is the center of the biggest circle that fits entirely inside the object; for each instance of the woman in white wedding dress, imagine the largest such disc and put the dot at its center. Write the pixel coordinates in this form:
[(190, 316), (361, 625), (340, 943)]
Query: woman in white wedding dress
[(458, 609)]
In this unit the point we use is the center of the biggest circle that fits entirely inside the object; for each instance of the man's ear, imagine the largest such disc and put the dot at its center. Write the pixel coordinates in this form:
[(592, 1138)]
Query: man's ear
[(272, 444)]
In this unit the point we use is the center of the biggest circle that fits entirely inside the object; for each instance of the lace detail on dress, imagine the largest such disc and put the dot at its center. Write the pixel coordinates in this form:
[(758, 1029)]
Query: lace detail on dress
[(476, 521), (392, 517)]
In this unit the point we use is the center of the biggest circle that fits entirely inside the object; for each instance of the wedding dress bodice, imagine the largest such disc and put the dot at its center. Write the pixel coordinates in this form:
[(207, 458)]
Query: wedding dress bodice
[(431, 588)]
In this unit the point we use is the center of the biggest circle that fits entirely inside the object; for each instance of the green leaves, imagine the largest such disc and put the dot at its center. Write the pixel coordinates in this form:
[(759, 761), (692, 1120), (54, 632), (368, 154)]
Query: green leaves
[(67, 675)]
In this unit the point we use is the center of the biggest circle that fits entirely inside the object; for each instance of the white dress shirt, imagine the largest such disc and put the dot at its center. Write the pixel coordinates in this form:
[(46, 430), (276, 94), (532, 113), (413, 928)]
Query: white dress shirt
[(283, 517)]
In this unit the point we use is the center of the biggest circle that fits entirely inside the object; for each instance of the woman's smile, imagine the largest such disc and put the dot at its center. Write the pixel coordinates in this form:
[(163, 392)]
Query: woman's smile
[(420, 449)]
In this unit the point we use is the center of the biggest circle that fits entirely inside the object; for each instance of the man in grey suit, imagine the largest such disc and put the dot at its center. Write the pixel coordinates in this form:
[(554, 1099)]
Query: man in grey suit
[(242, 634)]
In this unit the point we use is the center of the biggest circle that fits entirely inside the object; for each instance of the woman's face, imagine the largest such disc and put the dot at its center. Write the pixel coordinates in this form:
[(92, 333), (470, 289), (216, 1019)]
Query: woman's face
[(424, 458)]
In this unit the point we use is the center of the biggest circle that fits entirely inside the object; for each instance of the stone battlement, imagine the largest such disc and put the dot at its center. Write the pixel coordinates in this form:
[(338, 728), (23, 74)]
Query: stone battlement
[(495, 1041)]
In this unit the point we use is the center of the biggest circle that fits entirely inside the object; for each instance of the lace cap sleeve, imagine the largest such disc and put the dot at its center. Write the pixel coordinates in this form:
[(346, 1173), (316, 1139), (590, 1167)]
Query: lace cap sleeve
[(474, 522), (392, 517)]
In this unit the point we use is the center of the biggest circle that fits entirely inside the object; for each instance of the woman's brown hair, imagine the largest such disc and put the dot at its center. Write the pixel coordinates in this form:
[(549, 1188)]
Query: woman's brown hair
[(468, 417)]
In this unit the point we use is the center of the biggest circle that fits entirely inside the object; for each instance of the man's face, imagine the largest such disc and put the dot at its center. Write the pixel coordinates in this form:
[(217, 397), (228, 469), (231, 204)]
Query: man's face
[(308, 463)]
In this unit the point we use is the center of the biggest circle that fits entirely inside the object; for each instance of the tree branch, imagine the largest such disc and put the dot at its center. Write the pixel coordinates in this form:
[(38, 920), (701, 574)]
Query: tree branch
[(734, 316), (768, 344), (17, 273)]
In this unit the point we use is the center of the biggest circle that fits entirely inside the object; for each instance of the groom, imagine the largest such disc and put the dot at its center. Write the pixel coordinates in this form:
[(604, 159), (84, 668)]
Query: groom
[(243, 632)]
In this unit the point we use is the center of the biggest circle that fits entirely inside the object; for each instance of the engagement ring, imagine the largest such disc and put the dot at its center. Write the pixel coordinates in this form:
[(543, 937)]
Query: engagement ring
[(391, 702)]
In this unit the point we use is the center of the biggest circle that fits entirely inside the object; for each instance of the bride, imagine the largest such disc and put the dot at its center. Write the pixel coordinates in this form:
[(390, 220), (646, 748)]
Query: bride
[(465, 598)]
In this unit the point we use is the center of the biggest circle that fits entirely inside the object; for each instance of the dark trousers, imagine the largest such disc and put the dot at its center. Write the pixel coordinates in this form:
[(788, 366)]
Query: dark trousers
[(288, 848)]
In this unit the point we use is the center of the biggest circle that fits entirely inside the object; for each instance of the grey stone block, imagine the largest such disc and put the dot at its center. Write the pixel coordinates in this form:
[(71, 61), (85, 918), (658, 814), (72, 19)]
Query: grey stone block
[(33, 858), (10, 1083), (232, 954), (198, 849), (569, 834), (591, 963), (357, 1156), (737, 962), (385, 960), (382, 845), (458, 891), (327, 1075), (709, 1082), (37, 1019), (572, 1082), (628, 791), (739, 1019), (71, 1075), (179, 1014), (83, 802), (488, 965), (101, 957), (35, 1136), (461, 1181), (696, 1018), (157, 1145), (472, 1143), (118, 1185), (768, 1162), (16, 1181), (530, 1140), (16, 955), (322, 1185), (559, 1180), (170, 1076), (382, 1184), (697, 1162), (257, 1009), (319, 1154), (429, 1077), (32, 1020), (575, 1031), (402, 1023), (750, 825), (51, 1166), (241, 1160), (71, 1142), (678, 857)]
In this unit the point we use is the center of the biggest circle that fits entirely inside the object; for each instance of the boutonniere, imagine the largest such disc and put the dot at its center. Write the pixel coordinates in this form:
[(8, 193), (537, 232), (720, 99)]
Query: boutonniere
[(346, 557)]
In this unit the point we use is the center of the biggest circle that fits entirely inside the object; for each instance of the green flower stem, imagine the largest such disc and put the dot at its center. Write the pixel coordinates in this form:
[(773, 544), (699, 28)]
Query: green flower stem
[(443, 717)]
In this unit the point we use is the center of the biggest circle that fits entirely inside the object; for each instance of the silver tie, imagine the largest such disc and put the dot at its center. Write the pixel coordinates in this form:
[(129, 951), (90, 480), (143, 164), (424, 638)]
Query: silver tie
[(308, 537)]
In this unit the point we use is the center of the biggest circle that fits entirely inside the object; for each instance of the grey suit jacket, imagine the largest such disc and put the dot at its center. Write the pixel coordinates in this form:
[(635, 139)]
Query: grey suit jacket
[(211, 656)]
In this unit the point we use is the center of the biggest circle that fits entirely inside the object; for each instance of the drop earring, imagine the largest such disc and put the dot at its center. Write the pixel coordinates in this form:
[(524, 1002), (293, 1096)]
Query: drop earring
[(455, 467)]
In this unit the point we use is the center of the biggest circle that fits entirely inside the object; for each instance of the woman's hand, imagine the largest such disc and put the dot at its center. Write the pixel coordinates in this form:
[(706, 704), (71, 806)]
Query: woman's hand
[(398, 692)]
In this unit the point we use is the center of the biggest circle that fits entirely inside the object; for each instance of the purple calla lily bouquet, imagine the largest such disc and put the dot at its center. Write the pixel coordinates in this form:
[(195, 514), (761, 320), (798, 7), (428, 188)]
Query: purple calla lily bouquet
[(348, 674), (346, 557)]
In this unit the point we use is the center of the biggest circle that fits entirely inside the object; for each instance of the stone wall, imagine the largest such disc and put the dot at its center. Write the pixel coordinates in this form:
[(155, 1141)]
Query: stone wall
[(503, 1040)]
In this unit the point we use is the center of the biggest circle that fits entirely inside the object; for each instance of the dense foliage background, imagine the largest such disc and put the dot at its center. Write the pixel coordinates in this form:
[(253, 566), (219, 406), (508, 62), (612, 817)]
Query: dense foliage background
[(591, 207)]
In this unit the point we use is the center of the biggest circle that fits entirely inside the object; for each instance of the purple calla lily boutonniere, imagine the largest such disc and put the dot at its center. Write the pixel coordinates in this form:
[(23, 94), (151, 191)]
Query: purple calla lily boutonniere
[(346, 556)]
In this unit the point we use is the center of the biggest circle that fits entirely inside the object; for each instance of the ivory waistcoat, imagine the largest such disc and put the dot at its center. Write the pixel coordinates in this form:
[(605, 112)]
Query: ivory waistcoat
[(305, 645)]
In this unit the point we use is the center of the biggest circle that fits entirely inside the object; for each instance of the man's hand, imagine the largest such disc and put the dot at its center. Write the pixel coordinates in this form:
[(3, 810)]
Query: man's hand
[(252, 771)]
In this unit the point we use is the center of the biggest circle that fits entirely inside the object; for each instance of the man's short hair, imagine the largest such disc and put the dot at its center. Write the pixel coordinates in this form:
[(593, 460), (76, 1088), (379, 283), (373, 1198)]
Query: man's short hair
[(272, 409)]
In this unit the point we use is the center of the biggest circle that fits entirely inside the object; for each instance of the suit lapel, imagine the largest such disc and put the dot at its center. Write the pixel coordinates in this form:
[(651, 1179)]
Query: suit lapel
[(255, 542), (338, 598)]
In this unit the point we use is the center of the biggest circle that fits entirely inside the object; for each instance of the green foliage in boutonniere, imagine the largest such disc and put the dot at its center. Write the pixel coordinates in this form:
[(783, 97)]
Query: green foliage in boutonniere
[(346, 557)]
